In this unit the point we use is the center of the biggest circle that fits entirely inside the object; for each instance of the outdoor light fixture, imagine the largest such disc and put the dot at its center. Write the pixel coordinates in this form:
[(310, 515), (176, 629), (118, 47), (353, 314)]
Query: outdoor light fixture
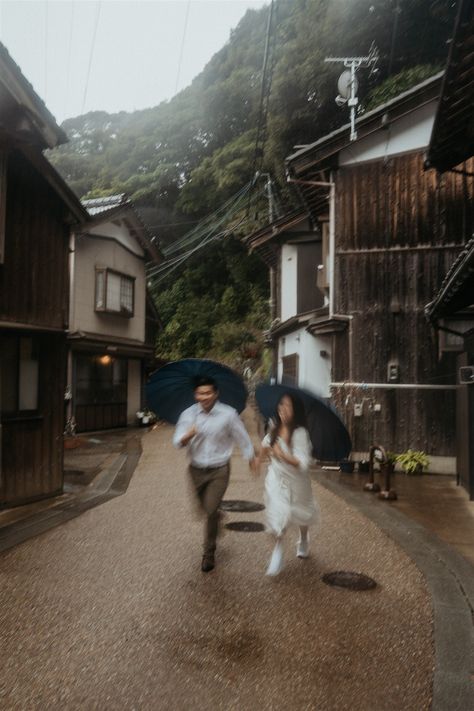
[(105, 360)]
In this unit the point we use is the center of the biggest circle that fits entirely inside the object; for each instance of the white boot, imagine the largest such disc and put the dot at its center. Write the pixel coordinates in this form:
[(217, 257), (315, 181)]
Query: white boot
[(302, 548), (276, 561)]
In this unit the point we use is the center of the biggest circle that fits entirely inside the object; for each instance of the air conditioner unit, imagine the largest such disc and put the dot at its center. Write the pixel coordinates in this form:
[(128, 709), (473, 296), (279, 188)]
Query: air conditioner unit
[(466, 375)]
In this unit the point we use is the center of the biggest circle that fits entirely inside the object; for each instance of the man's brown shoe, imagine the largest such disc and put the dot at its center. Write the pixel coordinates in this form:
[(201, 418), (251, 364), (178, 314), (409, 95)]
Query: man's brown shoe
[(207, 562)]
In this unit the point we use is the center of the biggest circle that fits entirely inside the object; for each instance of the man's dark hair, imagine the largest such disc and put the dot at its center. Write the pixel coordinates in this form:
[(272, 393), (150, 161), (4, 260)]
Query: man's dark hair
[(205, 380)]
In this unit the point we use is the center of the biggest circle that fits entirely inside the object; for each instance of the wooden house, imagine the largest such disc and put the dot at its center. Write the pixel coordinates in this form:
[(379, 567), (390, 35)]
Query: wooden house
[(451, 311), (112, 320), (394, 229), (37, 210)]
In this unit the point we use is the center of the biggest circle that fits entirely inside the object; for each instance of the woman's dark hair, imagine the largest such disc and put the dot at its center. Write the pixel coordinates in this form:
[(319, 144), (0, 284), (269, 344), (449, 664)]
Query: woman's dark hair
[(299, 417)]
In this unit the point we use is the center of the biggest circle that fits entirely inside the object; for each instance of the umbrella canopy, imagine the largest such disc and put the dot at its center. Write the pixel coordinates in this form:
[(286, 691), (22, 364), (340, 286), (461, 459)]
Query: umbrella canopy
[(329, 437), (170, 390)]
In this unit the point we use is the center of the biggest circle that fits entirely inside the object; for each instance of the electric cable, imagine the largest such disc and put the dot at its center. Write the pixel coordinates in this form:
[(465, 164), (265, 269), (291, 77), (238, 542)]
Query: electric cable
[(188, 4), (68, 75), (96, 24)]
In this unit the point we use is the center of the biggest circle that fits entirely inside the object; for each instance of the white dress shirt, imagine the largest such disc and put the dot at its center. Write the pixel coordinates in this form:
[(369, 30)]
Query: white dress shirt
[(217, 432)]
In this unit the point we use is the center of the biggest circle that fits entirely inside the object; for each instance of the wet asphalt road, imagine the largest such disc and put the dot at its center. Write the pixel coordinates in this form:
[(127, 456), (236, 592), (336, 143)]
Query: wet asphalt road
[(111, 610)]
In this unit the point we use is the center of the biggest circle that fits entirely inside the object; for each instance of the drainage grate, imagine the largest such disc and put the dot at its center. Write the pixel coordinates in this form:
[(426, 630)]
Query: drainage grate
[(250, 526), (347, 579), (238, 505)]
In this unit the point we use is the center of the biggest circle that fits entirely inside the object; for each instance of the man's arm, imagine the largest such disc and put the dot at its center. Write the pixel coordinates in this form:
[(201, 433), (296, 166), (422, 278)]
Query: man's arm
[(242, 439), (185, 429)]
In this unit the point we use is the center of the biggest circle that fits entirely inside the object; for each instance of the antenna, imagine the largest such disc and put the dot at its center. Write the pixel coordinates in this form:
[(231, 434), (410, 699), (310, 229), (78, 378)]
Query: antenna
[(348, 85)]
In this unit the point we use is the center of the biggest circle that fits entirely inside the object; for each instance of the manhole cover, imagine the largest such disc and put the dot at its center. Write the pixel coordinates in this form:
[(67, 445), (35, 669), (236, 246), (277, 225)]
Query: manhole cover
[(347, 579), (237, 505), (250, 526)]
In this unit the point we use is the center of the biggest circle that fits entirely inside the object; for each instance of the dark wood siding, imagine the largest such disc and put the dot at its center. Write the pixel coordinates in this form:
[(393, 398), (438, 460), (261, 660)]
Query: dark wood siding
[(32, 447), (398, 230), (34, 291), (34, 277)]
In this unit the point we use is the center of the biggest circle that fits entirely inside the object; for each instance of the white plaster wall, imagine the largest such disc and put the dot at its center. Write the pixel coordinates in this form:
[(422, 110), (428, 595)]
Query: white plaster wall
[(89, 254), (119, 231), (409, 133), (133, 390), (314, 371), (289, 273)]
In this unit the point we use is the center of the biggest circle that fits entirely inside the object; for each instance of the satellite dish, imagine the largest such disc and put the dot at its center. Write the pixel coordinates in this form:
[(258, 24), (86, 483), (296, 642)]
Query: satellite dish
[(344, 84)]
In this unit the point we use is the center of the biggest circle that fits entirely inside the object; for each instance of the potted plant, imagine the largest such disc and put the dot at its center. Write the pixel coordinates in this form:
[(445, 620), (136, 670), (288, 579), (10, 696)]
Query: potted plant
[(413, 461), (146, 417)]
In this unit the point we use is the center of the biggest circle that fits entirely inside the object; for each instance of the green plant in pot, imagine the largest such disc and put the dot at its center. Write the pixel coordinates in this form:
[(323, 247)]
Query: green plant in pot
[(413, 461)]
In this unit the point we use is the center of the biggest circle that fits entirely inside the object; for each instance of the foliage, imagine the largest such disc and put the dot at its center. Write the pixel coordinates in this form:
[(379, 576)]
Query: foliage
[(413, 461), (217, 307), (188, 155), (390, 457), (395, 85)]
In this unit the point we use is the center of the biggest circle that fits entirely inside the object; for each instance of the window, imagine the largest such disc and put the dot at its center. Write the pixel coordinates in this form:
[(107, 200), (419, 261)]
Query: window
[(100, 380), (19, 365), (114, 292), (290, 370), (451, 341)]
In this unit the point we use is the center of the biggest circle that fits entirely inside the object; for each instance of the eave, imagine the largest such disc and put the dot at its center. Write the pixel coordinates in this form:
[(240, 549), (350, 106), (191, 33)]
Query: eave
[(19, 98), (457, 289), (453, 130), (319, 154)]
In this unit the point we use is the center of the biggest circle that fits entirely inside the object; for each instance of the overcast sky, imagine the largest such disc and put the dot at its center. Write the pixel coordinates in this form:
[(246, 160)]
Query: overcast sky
[(114, 55)]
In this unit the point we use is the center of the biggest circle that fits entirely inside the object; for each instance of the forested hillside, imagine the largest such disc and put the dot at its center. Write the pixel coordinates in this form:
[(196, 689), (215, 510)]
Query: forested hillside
[(187, 156)]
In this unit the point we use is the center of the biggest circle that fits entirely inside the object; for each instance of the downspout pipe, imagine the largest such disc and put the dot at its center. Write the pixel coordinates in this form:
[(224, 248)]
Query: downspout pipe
[(332, 252)]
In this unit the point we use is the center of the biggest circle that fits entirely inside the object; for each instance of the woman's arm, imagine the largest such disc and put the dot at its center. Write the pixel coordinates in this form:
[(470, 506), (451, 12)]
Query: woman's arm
[(284, 456)]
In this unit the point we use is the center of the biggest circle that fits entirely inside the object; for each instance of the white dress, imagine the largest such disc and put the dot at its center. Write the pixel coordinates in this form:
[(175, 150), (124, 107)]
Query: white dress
[(288, 494)]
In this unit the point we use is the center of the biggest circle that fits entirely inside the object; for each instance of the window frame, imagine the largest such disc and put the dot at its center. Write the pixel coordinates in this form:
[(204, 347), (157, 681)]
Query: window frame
[(17, 413), (105, 271)]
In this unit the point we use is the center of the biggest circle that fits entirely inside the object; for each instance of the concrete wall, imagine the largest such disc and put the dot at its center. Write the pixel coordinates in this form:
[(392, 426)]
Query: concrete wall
[(289, 274), (409, 133), (314, 371), (90, 254)]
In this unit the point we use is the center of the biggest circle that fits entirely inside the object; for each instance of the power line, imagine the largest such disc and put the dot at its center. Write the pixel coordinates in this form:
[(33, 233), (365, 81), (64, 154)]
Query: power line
[(188, 4), (46, 8), (265, 89), (208, 231), (68, 76), (96, 24)]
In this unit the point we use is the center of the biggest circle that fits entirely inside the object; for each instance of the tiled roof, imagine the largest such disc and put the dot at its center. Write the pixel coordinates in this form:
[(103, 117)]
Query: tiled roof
[(453, 130), (96, 206), (456, 291)]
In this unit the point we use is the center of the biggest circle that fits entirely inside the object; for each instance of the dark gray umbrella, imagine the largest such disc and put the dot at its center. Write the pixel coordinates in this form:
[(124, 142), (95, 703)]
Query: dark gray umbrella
[(170, 389), (329, 436)]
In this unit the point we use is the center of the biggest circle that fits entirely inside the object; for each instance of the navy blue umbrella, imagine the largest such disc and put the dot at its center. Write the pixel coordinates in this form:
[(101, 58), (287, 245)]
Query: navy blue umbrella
[(170, 389), (329, 437)]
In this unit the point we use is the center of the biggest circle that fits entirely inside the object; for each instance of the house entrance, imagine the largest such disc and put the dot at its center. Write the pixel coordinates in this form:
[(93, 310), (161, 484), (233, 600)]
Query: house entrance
[(100, 393)]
